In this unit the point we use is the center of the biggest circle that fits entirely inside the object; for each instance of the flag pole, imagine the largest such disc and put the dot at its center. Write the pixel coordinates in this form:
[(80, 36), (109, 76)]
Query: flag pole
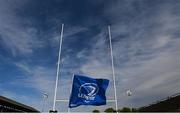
[(112, 65), (58, 65), (71, 91)]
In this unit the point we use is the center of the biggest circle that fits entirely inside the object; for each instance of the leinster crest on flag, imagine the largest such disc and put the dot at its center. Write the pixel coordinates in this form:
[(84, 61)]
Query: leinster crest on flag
[(88, 91)]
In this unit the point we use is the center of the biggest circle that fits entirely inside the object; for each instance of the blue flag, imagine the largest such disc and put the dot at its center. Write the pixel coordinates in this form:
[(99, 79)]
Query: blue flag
[(88, 91)]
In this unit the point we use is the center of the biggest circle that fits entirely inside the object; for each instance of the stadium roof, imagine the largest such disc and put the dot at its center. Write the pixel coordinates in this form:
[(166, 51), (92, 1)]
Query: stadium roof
[(16, 105)]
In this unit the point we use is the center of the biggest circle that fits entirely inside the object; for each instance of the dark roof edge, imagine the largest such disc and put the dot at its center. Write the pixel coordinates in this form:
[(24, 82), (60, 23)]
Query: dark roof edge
[(10, 101)]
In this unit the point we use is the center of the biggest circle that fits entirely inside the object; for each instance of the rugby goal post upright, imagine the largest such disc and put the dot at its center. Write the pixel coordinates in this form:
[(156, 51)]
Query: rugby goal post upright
[(112, 66), (57, 71)]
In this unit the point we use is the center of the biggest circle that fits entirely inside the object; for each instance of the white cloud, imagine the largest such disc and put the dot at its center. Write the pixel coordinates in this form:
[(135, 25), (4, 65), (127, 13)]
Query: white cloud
[(146, 53), (43, 80), (16, 37), (97, 69), (146, 58), (68, 32), (155, 79)]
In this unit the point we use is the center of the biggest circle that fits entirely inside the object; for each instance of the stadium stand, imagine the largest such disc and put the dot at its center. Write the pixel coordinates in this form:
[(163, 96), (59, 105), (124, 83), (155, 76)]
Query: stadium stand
[(8, 105), (170, 104)]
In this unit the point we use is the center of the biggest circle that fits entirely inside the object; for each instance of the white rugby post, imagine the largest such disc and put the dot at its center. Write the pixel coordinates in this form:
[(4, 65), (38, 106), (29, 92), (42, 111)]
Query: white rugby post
[(58, 66), (112, 66)]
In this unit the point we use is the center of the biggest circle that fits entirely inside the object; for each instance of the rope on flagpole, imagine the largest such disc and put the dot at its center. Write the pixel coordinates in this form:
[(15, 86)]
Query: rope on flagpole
[(58, 65), (112, 64)]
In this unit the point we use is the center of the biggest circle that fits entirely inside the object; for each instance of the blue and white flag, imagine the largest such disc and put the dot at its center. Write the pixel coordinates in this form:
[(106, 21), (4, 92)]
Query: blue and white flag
[(88, 91)]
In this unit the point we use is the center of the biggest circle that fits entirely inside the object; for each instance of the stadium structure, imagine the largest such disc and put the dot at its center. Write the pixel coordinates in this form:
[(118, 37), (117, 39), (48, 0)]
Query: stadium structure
[(170, 104), (8, 105)]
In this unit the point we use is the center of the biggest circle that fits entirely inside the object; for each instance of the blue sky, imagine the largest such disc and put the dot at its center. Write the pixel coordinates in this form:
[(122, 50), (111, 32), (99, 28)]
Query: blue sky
[(145, 37)]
